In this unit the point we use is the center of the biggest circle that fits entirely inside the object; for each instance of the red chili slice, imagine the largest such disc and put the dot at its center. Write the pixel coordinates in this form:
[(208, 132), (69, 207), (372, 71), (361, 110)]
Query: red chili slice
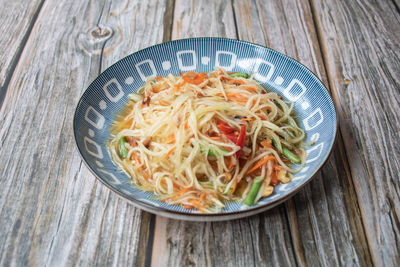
[(224, 127), (241, 139)]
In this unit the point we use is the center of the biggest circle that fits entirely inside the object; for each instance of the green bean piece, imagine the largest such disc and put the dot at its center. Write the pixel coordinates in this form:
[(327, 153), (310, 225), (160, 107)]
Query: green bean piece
[(290, 155), (213, 153), (255, 187), (287, 153), (239, 74), (122, 149)]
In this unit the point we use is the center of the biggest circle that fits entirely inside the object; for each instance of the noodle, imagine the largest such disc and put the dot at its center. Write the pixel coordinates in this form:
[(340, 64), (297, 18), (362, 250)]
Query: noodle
[(199, 140)]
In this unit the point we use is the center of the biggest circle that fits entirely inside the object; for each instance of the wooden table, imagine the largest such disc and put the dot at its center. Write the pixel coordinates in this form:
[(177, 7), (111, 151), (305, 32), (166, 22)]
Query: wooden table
[(54, 212)]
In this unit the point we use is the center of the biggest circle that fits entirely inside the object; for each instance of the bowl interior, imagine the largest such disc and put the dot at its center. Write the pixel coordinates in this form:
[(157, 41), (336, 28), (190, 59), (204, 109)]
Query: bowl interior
[(105, 97)]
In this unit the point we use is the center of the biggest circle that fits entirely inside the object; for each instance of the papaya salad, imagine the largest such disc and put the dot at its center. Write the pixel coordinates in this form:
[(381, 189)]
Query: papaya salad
[(201, 139)]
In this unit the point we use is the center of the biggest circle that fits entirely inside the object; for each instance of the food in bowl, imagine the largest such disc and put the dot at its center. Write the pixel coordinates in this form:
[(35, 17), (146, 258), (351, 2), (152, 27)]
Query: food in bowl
[(201, 139)]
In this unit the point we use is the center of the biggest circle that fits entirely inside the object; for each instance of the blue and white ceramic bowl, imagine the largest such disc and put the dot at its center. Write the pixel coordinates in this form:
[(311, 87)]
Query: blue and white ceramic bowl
[(109, 92)]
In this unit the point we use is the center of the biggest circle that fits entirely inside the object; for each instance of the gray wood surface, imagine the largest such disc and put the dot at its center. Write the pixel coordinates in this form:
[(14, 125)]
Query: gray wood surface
[(16, 21), (361, 47), (53, 211)]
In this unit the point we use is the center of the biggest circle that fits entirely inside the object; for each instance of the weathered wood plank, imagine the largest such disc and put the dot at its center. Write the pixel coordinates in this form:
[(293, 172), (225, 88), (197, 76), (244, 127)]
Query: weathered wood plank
[(360, 43), (203, 18), (319, 226), (52, 210), (16, 21)]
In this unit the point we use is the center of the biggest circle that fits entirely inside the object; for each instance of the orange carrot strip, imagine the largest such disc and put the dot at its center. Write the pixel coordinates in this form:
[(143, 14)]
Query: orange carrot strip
[(260, 163), (194, 201), (183, 191), (177, 87), (276, 167), (188, 207), (170, 139), (250, 88), (170, 152), (159, 78), (266, 144), (262, 117), (136, 158), (203, 196), (146, 175), (159, 88)]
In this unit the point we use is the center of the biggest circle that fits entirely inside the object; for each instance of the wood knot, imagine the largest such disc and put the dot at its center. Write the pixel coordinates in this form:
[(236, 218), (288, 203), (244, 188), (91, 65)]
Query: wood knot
[(101, 32), (94, 39)]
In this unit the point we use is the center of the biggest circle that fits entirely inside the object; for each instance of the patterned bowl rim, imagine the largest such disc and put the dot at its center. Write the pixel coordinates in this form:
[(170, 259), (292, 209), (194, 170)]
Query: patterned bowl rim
[(208, 216)]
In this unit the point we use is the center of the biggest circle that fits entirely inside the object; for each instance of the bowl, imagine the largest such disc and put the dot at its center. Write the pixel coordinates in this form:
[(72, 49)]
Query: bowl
[(108, 94)]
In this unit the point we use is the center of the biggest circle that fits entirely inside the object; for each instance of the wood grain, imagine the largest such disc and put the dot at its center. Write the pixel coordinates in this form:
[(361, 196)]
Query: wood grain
[(307, 229), (52, 210), (203, 18), (16, 21), (360, 43)]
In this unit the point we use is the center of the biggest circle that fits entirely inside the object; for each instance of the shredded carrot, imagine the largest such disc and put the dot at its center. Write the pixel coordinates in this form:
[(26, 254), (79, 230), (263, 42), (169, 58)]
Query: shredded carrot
[(216, 138), (250, 88), (266, 144), (176, 186), (159, 88), (176, 88), (246, 119), (262, 117), (184, 190), (260, 163), (203, 196), (188, 207), (170, 139), (196, 204), (136, 158), (276, 167), (170, 152), (159, 78), (180, 193)]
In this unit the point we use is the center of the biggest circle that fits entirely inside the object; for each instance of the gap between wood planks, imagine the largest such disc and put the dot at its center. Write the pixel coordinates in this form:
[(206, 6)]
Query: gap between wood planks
[(14, 62)]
